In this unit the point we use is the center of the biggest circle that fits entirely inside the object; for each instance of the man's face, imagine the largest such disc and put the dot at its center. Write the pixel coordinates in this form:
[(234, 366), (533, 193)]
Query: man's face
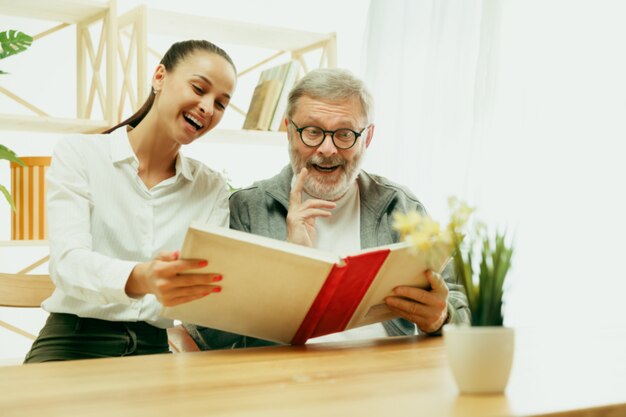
[(331, 171)]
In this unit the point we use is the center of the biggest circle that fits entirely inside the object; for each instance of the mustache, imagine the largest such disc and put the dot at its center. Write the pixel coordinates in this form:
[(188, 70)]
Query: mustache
[(325, 161)]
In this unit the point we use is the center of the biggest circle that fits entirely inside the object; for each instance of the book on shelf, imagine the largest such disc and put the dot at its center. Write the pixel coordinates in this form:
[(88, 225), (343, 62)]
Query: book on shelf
[(261, 109), (291, 75), (283, 292), (269, 100)]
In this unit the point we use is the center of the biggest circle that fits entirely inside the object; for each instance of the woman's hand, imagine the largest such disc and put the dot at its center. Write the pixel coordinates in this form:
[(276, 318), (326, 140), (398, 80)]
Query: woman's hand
[(165, 278)]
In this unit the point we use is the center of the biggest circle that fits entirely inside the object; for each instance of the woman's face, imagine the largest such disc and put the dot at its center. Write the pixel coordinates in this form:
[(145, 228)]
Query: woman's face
[(192, 97)]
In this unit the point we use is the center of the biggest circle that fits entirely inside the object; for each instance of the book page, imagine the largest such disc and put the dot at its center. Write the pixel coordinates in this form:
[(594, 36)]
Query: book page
[(403, 266), (277, 244), (268, 284)]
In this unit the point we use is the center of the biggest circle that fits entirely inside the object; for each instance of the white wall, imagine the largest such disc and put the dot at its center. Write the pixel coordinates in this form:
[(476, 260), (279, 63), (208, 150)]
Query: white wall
[(541, 151), (560, 112)]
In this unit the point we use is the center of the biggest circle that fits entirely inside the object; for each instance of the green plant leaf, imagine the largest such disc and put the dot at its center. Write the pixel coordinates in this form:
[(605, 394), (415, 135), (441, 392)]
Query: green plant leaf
[(6, 153), (504, 254), (7, 195), (463, 270), (484, 278), (495, 264), (13, 42)]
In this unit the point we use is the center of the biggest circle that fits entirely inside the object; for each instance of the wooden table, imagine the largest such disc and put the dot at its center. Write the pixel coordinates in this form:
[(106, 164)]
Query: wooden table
[(577, 373)]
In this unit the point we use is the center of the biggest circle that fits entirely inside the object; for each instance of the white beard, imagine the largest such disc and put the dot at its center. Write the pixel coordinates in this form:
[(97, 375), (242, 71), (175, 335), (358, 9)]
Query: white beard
[(325, 189)]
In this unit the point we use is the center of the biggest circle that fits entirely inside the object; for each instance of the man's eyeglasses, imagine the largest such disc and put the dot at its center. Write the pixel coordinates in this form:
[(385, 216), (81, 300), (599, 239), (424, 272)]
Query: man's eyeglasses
[(313, 136)]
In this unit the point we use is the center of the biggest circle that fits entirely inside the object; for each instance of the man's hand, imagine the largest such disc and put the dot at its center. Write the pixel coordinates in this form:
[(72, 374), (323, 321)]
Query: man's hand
[(301, 216), (163, 277), (427, 309)]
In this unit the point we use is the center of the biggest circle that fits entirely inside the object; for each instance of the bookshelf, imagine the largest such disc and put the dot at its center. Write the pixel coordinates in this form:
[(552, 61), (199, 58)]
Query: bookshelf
[(105, 74)]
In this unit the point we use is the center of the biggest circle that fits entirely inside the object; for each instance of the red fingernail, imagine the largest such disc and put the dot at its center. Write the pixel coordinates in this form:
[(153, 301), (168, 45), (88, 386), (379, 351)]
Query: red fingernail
[(203, 263), (217, 289), (217, 278)]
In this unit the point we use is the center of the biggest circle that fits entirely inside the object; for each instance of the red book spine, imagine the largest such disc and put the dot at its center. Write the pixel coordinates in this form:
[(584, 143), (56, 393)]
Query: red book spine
[(340, 296)]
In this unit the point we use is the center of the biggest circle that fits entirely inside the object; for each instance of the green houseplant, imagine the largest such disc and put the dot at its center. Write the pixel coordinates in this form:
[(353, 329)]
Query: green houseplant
[(485, 287), (480, 355), (11, 42)]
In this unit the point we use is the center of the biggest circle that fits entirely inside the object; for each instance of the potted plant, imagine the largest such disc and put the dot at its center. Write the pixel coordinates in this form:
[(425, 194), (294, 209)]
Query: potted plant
[(11, 42), (480, 355)]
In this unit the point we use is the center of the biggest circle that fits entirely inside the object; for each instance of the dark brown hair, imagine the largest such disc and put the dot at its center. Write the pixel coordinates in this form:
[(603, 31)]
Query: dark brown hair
[(176, 53)]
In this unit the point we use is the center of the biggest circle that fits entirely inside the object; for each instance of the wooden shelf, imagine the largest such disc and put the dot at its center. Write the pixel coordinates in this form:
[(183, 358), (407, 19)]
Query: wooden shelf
[(228, 31), (13, 243), (66, 125), (67, 11), (245, 137), (51, 124)]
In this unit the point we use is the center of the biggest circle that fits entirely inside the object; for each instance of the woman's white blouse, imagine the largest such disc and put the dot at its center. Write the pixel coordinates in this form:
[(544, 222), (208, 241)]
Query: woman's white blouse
[(102, 221)]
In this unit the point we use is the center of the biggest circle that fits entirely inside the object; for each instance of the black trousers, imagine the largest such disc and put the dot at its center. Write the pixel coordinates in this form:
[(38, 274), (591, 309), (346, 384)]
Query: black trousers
[(68, 337)]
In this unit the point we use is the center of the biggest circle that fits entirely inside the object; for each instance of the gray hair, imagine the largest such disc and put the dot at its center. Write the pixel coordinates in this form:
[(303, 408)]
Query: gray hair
[(332, 84)]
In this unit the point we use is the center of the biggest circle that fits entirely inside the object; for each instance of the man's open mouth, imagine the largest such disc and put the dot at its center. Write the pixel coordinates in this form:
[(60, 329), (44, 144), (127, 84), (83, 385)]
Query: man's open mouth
[(321, 168)]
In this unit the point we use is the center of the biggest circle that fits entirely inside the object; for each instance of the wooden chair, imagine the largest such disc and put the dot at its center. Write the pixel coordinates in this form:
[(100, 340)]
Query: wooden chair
[(24, 290), (180, 340)]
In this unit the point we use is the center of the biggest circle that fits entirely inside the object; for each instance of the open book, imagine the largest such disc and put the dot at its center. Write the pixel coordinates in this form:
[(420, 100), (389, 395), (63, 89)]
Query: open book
[(288, 293)]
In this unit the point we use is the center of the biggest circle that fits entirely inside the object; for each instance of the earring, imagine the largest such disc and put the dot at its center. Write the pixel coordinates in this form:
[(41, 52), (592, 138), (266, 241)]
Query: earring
[(154, 90)]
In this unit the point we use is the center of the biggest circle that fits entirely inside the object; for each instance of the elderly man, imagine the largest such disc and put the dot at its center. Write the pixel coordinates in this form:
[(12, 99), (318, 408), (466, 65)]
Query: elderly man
[(323, 199)]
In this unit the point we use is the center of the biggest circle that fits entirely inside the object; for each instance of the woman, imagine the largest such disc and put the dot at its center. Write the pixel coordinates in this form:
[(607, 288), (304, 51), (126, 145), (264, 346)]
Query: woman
[(119, 204)]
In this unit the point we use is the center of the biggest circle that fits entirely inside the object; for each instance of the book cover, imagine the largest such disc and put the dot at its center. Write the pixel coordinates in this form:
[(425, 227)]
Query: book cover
[(288, 293), (269, 100)]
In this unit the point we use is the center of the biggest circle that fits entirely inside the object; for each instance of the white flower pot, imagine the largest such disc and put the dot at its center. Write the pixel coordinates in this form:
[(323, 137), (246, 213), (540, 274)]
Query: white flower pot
[(480, 357)]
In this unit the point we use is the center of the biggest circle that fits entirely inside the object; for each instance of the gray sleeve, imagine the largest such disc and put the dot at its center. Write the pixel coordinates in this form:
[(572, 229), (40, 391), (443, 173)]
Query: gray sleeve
[(239, 216), (458, 307)]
